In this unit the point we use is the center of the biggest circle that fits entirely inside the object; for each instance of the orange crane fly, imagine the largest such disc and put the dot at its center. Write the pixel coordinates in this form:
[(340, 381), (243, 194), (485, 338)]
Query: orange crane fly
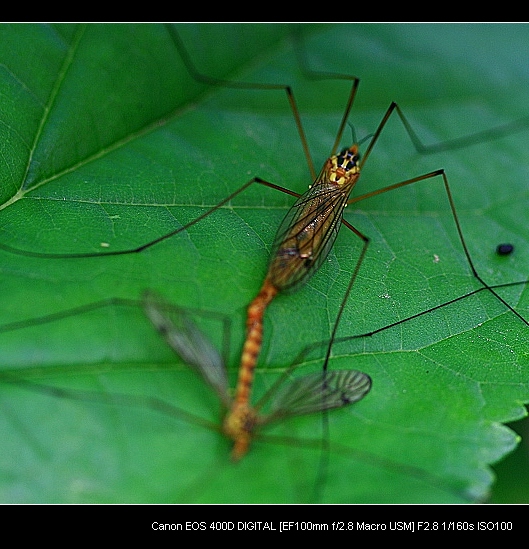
[(303, 241)]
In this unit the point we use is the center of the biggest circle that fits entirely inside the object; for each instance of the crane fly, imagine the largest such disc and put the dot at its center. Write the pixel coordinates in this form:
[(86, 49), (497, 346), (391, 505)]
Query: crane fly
[(307, 255), (303, 241)]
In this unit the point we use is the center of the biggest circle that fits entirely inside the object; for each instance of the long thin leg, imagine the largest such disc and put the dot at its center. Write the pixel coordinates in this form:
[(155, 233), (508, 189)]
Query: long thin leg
[(422, 149), (139, 249), (490, 134), (456, 220), (199, 77), (411, 181)]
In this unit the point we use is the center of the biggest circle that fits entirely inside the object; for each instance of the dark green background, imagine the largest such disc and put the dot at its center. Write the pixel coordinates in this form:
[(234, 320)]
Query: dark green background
[(107, 140)]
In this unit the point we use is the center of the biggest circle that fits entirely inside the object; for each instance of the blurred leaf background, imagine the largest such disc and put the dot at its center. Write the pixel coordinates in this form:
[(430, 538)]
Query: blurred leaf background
[(107, 143)]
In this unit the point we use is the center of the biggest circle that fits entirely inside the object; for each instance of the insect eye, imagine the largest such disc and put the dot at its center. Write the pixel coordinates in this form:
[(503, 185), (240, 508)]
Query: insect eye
[(347, 159)]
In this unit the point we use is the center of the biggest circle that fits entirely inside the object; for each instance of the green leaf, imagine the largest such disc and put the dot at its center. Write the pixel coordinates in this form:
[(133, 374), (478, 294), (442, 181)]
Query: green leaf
[(109, 143)]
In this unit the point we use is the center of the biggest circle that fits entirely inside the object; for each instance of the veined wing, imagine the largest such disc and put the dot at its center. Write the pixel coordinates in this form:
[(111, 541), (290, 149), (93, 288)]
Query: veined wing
[(317, 392), (306, 235), (189, 343)]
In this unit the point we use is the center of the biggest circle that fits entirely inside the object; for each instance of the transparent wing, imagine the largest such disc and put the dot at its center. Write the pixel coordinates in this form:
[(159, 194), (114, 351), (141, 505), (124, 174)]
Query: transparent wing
[(317, 392), (306, 236), (189, 343)]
